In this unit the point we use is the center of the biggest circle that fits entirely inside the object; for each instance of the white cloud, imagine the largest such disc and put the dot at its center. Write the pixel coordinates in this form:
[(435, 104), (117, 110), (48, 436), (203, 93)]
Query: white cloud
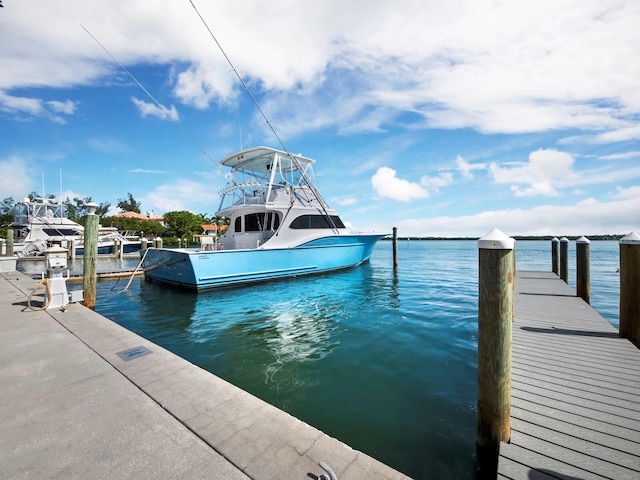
[(538, 175), (630, 193), (589, 217), (386, 184), (182, 194), (621, 156), (110, 145), (618, 135), (434, 183), (465, 168), (67, 107), (346, 201), (14, 181), (147, 171), (35, 107), (503, 67), (31, 106), (153, 110), (198, 86)]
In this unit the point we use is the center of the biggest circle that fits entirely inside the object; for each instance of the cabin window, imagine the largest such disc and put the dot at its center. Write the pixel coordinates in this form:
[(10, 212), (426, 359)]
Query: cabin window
[(21, 214), (258, 222), (253, 222), (273, 221), (304, 222)]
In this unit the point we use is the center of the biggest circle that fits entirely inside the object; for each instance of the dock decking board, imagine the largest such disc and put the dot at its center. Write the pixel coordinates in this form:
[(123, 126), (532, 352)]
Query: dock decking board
[(575, 389)]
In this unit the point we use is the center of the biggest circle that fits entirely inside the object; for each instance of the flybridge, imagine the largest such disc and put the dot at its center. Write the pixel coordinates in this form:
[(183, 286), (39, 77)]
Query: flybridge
[(28, 210), (265, 176)]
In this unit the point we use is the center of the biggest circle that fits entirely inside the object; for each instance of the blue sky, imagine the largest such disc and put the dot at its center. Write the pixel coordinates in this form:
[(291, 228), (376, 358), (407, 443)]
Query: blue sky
[(440, 118)]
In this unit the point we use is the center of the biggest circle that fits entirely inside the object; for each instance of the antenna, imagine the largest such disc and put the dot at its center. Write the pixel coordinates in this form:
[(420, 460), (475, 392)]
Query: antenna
[(294, 160)]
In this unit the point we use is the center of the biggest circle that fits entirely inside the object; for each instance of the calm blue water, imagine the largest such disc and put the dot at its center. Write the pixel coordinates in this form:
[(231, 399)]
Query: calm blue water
[(384, 361)]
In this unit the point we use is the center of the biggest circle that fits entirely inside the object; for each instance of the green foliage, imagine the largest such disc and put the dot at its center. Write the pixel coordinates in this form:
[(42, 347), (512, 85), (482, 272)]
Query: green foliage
[(150, 229), (129, 204), (76, 210), (220, 221), (6, 215), (6, 207), (34, 195), (183, 223)]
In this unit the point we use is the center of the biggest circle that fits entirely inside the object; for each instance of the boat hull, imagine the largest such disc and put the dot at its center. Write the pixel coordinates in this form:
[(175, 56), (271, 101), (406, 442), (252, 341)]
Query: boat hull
[(110, 249), (205, 270)]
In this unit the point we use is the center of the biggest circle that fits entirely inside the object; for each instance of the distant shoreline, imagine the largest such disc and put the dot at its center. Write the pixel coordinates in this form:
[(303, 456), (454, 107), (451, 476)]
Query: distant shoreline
[(520, 237)]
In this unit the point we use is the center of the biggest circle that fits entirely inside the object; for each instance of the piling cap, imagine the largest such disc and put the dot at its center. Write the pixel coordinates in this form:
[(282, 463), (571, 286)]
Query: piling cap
[(555, 240), (496, 240), (631, 239), (564, 240), (92, 207), (582, 239)]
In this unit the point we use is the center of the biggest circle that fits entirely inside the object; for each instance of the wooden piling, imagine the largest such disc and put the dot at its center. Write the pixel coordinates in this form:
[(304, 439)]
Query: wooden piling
[(564, 259), (144, 243), (1, 247), (583, 275), (157, 242), (90, 258), (395, 247), (630, 288), (555, 258), (9, 243), (495, 313), (513, 285)]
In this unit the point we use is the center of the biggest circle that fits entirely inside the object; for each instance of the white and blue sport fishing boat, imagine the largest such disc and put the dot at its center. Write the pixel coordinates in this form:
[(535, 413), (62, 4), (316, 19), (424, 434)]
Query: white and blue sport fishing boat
[(280, 226)]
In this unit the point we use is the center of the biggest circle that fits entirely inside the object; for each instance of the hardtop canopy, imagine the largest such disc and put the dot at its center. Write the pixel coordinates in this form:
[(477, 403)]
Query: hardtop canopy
[(261, 159)]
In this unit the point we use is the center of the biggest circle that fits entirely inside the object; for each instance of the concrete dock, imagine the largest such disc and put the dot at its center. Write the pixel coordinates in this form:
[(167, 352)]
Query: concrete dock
[(82, 397)]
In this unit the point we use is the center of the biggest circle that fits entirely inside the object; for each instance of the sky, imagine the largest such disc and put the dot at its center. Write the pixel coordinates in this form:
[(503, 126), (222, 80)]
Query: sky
[(439, 118)]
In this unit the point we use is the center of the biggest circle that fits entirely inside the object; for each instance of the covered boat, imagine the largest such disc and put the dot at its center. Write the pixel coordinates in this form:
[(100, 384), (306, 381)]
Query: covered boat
[(39, 222), (279, 226)]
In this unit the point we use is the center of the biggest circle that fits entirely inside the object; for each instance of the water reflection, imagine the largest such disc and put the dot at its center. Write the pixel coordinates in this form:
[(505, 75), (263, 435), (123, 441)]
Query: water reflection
[(298, 333), (279, 329)]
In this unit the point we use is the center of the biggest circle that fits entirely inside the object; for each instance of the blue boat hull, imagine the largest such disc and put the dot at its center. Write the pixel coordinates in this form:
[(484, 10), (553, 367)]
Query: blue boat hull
[(204, 270), (110, 249)]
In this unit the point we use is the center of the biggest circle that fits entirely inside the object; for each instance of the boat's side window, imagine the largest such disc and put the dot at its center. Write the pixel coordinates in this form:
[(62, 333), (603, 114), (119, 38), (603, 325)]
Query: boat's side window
[(273, 221), (238, 225), (316, 221), (253, 222)]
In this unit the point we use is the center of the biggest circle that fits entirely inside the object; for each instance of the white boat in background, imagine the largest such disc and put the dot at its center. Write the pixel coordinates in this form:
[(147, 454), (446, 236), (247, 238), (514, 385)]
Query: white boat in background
[(280, 226), (39, 222)]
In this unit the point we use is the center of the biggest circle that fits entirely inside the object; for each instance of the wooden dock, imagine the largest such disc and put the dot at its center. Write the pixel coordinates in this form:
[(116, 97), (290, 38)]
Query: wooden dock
[(575, 391)]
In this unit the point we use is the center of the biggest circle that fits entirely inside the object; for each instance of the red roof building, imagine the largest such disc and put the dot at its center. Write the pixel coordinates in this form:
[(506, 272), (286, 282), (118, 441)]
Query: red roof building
[(149, 216)]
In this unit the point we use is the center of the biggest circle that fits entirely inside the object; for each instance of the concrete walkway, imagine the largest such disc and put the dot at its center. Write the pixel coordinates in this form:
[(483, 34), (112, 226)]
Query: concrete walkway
[(82, 397)]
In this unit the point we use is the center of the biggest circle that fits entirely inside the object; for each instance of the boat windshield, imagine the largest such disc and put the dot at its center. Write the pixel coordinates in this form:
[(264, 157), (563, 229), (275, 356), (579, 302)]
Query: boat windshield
[(25, 212)]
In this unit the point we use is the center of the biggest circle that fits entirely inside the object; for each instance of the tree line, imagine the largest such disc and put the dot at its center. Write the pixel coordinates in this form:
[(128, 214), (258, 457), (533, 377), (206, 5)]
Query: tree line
[(177, 224)]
